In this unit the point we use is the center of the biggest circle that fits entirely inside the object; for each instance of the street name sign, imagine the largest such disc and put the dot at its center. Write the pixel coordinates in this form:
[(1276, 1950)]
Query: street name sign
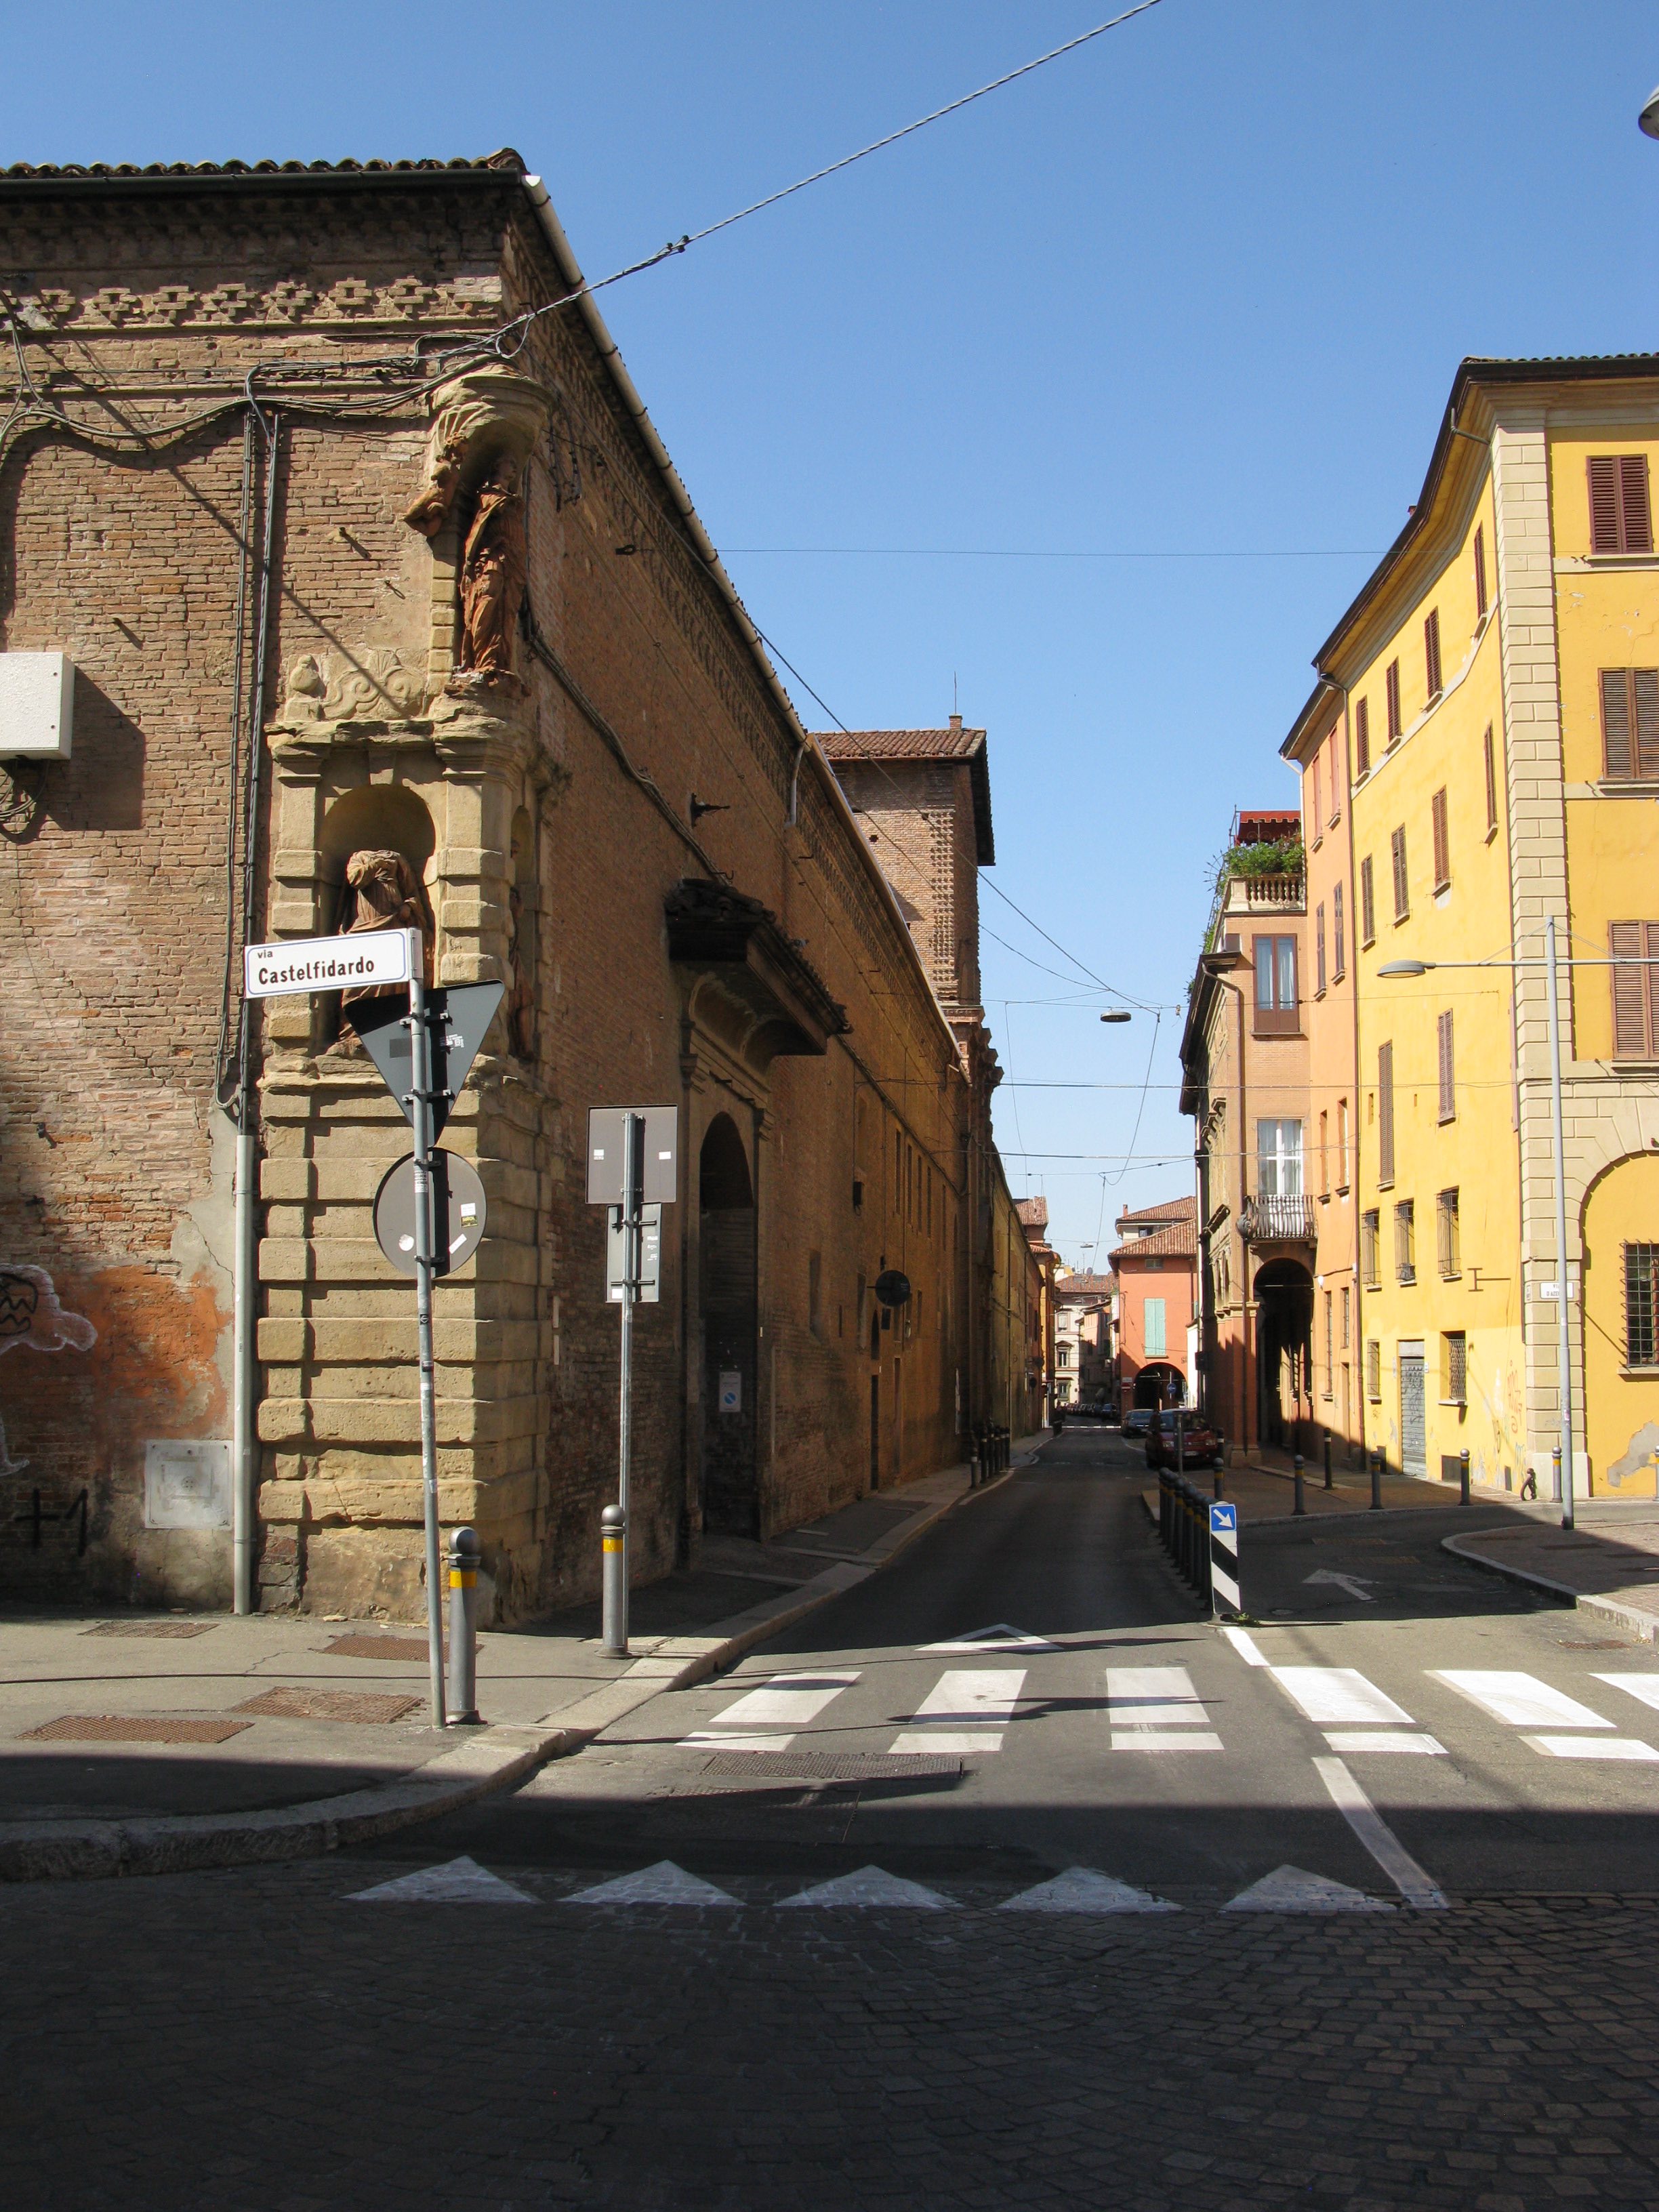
[(303, 964)]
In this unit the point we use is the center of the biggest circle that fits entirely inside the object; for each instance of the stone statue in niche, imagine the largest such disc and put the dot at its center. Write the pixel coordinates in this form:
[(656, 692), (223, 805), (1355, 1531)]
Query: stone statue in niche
[(383, 891), (492, 584), (521, 991)]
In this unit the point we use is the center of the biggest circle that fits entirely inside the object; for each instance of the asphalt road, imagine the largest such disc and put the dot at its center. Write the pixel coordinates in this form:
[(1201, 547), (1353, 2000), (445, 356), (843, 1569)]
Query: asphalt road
[(1469, 2030)]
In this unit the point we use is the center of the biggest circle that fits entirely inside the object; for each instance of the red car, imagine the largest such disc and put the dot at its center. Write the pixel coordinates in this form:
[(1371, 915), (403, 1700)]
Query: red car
[(1201, 1443)]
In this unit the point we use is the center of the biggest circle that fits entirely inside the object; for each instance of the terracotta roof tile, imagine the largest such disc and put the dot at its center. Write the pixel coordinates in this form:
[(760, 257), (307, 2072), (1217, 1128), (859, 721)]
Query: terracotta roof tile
[(79, 171), (1176, 1241), (1172, 1209)]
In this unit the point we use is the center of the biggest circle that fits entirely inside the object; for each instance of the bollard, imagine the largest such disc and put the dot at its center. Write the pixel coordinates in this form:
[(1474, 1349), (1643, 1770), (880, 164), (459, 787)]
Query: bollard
[(1555, 1472), (1220, 1480), (613, 1533), (1463, 1475), (1301, 1505), (464, 1551), (1328, 1484), (1377, 1482)]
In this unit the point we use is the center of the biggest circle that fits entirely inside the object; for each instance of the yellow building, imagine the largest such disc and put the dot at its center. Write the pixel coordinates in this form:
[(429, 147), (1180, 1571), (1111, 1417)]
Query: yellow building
[(1495, 691)]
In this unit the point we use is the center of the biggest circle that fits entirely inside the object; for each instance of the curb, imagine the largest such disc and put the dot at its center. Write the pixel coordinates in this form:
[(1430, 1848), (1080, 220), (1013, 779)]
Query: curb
[(189, 1843), (1645, 1624)]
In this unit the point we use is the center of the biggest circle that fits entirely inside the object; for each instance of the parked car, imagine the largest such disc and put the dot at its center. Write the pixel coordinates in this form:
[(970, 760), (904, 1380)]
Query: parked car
[(1137, 1419), (1201, 1442)]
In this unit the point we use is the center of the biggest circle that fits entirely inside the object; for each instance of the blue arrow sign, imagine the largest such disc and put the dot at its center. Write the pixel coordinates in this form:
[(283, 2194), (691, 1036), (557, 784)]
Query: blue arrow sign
[(1223, 1519)]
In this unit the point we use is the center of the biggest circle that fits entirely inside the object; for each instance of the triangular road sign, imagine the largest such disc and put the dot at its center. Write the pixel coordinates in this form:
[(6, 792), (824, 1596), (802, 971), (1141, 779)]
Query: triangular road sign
[(458, 1881), (1291, 1889), (662, 1884), (871, 1884), (1080, 1889), (458, 1016), (1004, 1637)]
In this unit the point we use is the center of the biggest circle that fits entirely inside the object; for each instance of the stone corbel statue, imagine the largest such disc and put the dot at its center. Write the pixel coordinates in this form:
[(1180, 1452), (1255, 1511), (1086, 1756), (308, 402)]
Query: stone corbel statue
[(383, 891)]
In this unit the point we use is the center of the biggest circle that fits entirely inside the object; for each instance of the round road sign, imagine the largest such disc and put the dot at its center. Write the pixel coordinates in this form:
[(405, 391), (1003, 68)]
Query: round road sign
[(457, 1213)]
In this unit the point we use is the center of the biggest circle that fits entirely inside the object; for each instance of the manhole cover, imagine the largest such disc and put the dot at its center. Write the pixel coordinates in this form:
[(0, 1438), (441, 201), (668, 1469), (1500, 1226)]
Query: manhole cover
[(286, 1705), (378, 1647), (829, 1765), (101, 1727), (151, 1628)]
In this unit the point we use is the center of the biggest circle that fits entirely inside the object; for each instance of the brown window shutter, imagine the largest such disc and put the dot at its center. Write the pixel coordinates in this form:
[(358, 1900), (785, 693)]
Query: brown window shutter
[(1385, 1112), (1650, 985), (1401, 882), (1362, 736), (1644, 718), (1318, 802), (1447, 1077), (1367, 901), (1442, 841), (1604, 503), (1432, 652), (1635, 514), (1491, 780), (1339, 933), (1319, 945), (1391, 686), (1617, 763), (1479, 573), (1627, 940)]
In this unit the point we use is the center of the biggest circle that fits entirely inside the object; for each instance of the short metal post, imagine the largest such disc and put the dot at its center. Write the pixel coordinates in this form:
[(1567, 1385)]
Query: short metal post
[(1220, 1480), (1301, 1505), (613, 1534), (1463, 1475), (1377, 1482), (1555, 1469), (464, 1552), (1328, 1484)]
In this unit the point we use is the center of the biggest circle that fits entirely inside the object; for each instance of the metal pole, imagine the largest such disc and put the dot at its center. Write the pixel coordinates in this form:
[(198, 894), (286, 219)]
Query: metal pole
[(1561, 1280), (1301, 1504), (1328, 1484), (615, 1593), (1377, 1482), (244, 1448), (1463, 1476), (420, 1066), (464, 1550)]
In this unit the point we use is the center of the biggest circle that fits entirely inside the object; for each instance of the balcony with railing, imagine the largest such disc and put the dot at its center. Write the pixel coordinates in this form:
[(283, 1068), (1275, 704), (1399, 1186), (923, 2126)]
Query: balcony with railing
[(1266, 1220)]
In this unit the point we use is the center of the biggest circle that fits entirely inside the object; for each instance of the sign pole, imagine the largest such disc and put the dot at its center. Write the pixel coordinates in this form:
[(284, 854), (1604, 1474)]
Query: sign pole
[(633, 1205), (420, 1063)]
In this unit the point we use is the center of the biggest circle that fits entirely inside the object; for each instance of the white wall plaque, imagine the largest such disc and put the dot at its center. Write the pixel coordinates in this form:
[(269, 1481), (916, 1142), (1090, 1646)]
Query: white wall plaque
[(187, 1484)]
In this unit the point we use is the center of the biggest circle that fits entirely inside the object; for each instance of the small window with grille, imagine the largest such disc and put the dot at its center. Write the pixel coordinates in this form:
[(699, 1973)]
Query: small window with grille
[(1369, 1238), (1405, 1240), (1455, 1367), (1449, 1244), (1641, 1275), (1373, 1369)]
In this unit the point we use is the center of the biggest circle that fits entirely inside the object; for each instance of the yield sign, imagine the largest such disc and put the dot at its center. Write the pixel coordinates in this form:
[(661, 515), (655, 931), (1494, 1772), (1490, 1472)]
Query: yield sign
[(1003, 1637), (458, 1018)]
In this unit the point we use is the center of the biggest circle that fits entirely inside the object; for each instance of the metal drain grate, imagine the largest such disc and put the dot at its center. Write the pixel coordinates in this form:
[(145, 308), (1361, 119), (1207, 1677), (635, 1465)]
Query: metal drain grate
[(829, 1765), (287, 1705), (176, 1628), (103, 1728), (378, 1647)]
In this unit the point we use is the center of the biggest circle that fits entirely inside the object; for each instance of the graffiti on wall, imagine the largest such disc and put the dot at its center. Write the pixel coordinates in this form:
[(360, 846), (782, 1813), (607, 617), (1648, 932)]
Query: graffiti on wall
[(31, 1314)]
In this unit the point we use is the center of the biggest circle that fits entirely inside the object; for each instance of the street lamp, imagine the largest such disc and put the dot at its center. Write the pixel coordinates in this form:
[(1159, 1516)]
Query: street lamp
[(1117, 1014), (1549, 962), (1649, 118)]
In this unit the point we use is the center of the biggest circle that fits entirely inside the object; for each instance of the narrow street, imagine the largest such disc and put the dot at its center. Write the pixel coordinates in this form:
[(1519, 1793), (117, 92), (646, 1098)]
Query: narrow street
[(1474, 1768)]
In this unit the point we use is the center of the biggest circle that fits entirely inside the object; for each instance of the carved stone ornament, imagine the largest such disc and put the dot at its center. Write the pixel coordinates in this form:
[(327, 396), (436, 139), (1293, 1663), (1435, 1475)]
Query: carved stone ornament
[(367, 684), (383, 891)]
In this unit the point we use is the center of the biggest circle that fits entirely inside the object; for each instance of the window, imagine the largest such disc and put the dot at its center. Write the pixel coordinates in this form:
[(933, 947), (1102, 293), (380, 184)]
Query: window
[(1318, 805), (1370, 1237), (1347, 1313), (1330, 1346), (1279, 1158), (1373, 1369), (1367, 903), (1492, 782), (1385, 1113), (1455, 1368), (1275, 986), (1154, 1345), (1342, 1143), (1405, 1241), (1319, 950), (1622, 520), (1324, 1156), (1449, 1244), (1062, 1355), (1362, 736), (815, 1292), (1630, 724), (1479, 574), (1402, 899), (1442, 841), (1391, 688), (1432, 652), (1448, 1068), (1635, 990), (1641, 1276), (1337, 757), (1339, 936)]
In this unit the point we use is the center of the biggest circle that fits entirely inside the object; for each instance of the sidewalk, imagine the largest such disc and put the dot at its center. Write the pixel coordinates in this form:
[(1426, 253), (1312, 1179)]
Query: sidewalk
[(152, 1743), (1264, 1490), (1608, 1563)]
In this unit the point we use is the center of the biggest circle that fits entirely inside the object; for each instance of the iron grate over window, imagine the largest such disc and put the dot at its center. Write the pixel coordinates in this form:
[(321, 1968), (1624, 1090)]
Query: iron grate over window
[(1641, 1273)]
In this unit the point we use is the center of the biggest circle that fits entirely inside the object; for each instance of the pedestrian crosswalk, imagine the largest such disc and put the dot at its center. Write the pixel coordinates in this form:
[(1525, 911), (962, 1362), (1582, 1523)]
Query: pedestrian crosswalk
[(1157, 1709), (767, 1719), (966, 1710)]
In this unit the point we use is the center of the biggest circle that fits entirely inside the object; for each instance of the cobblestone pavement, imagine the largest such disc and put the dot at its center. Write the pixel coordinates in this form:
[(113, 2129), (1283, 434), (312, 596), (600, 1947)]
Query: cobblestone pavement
[(253, 2041)]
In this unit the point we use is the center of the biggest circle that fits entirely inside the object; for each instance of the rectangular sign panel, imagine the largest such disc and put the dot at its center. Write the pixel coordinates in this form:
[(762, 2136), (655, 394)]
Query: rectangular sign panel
[(326, 963), (1223, 1519), (604, 1154), (650, 1290)]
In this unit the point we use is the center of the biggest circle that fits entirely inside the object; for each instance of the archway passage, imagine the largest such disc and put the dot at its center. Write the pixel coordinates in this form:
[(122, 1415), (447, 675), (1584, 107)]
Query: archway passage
[(1160, 1384), (725, 1199), (1283, 1396)]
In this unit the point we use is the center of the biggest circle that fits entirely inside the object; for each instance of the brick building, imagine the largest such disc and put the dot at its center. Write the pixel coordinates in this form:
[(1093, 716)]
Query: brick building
[(370, 613), (1156, 1270)]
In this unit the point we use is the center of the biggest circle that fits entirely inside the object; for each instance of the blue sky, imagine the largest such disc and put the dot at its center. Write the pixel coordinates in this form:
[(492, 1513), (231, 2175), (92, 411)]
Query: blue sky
[(1189, 300)]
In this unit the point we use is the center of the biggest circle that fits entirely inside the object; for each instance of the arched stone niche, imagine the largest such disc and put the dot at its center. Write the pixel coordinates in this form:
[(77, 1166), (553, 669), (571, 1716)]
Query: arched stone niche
[(374, 859)]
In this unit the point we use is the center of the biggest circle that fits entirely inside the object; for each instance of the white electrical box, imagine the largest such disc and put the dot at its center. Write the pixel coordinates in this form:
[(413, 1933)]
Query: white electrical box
[(37, 706)]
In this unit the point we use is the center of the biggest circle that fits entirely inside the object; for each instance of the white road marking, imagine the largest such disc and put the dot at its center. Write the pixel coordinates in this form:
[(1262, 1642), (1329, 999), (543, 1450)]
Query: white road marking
[(1246, 1646), (1379, 1839), (1292, 1889), (871, 1884), (457, 1882), (962, 1697), (1592, 1747), (1645, 1686), (1151, 1739), (1337, 1693), (662, 1884), (786, 1701), (1353, 1740), (1004, 1637), (1521, 1699), (1157, 1709), (1354, 1584), (1080, 1889)]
